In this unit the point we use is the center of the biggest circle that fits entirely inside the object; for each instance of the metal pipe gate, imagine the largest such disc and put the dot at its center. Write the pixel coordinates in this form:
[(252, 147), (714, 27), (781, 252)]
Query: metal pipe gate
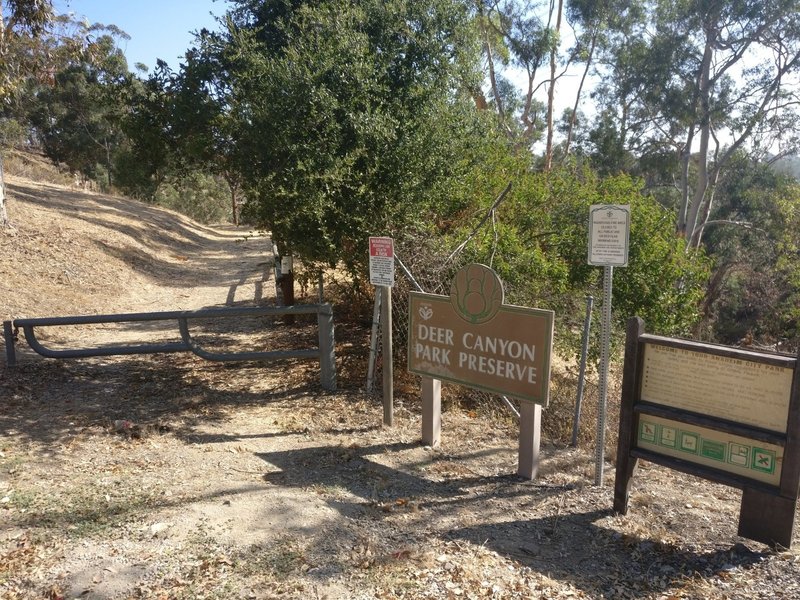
[(325, 352)]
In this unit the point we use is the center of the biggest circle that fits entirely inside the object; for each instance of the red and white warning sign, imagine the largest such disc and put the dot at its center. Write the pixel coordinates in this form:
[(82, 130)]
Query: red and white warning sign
[(381, 261)]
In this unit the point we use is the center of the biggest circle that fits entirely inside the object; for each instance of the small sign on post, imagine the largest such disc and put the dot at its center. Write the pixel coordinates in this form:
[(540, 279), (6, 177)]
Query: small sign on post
[(381, 274), (381, 261), (609, 233)]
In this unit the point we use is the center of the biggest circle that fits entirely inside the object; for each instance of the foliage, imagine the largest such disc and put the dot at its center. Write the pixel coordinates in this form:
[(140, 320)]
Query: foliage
[(357, 123), (22, 22), (146, 160), (172, 157), (753, 237), (539, 248), (200, 196), (202, 131), (340, 120), (701, 82), (76, 119), (513, 36)]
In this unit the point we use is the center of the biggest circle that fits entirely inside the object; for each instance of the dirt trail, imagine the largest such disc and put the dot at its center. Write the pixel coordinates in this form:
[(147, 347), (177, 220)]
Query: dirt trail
[(165, 476), (77, 253)]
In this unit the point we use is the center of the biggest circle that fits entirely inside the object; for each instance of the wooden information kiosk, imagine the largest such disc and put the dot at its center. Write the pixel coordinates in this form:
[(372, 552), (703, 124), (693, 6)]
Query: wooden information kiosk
[(725, 414)]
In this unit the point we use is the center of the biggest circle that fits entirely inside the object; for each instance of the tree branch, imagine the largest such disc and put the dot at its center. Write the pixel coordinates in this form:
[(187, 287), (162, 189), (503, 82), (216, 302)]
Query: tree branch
[(496, 203)]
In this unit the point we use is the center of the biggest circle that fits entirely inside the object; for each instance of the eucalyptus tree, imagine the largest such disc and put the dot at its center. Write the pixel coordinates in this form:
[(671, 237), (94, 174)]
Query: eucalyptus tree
[(528, 41), (599, 26), (516, 36), (701, 81), (76, 116)]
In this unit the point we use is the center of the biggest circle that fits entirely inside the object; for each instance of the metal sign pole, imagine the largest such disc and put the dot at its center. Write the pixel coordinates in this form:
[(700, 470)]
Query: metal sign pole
[(587, 324), (605, 351)]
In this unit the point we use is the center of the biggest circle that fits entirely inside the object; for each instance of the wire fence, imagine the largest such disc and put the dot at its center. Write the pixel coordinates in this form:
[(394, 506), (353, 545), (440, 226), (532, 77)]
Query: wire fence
[(425, 265)]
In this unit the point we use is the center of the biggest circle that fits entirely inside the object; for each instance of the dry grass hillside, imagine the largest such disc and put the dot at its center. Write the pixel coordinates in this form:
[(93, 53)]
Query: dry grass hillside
[(168, 477)]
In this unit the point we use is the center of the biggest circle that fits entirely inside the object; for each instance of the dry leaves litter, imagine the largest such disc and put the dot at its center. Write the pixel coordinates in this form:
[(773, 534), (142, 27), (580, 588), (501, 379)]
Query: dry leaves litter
[(167, 477)]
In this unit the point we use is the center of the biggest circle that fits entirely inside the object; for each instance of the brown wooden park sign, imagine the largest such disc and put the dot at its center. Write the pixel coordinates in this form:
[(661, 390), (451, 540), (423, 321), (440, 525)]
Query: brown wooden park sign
[(729, 415), (471, 338)]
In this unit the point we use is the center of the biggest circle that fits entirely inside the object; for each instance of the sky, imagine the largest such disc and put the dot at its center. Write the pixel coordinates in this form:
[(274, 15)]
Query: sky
[(158, 28), (163, 29)]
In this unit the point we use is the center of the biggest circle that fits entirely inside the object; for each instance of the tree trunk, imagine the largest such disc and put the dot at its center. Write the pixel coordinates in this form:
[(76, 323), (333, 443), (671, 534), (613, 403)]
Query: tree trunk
[(286, 282), (108, 164), (686, 158), (487, 46), (551, 93), (574, 115), (4, 222), (693, 225), (233, 186), (234, 208)]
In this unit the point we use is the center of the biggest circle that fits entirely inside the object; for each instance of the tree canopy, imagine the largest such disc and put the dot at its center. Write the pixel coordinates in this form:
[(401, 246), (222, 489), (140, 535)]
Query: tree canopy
[(20, 20), (353, 118)]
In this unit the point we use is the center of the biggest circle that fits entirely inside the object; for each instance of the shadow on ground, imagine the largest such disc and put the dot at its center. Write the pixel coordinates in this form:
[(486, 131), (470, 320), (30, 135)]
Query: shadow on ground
[(580, 548), (611, 563)]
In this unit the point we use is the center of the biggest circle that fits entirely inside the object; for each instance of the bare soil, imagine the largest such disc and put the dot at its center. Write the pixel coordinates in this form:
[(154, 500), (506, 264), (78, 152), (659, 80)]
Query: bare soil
[(166, 476)]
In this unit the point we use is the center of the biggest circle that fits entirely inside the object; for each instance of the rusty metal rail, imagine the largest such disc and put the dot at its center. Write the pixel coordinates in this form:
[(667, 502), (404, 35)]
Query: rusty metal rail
[(325, 352)]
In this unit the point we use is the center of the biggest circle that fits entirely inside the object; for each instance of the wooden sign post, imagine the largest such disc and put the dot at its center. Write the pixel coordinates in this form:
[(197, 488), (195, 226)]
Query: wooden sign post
[(725, 414), (381, 274)]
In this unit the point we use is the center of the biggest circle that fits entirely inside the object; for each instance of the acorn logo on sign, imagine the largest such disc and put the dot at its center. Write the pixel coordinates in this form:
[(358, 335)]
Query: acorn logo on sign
[(476, 293)]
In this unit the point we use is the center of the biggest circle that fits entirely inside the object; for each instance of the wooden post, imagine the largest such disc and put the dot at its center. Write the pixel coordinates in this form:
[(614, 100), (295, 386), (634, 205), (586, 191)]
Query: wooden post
[(386, 337), (8, 334), (431, 411), (530, 432), (626, 464), (767, 518), (287, 291), (327, 348)]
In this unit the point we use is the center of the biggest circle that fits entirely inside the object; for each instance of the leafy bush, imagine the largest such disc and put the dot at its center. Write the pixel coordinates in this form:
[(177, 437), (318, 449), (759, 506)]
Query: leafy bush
[(202, 197), (133, 176), (538, 244), (753, 238)]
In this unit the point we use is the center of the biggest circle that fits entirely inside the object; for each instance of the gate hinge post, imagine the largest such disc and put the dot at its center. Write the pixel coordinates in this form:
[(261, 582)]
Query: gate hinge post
[(327, 348), (8, 334)]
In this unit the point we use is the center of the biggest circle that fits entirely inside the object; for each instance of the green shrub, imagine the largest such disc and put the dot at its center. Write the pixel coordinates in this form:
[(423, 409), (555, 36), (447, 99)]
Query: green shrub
[(202, 197)]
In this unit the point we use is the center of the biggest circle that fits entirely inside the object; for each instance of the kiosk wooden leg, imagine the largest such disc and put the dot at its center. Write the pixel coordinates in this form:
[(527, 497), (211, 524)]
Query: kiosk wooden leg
[(767, 518)]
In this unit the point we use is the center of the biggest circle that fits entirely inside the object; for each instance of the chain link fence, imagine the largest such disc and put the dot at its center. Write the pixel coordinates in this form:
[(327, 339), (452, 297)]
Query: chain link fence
[(424, 264)]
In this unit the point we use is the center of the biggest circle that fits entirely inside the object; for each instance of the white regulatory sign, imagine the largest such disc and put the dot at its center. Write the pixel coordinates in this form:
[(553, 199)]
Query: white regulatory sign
[(609, 230), (381, 261)]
